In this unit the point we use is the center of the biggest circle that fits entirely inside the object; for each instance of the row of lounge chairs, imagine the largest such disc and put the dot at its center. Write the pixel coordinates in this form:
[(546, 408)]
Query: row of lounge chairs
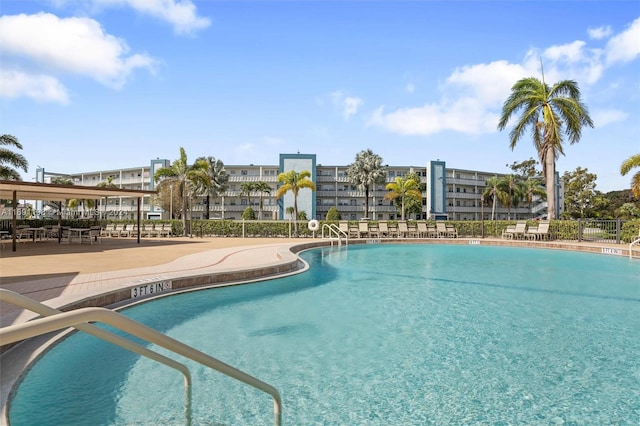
[(131, 230), (383, 229), (520, 231)]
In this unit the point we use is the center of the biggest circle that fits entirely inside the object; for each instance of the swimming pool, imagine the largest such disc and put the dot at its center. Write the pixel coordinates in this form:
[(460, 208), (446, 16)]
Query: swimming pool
[(377, 334)]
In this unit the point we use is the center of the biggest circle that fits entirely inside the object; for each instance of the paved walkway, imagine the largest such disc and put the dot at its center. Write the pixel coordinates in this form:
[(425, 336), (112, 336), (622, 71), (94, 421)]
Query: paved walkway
[(62, 275)]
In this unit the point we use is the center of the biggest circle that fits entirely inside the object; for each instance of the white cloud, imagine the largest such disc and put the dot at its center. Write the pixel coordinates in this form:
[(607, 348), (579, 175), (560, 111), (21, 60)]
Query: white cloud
[(72, 45), (347, 105), (472, 96), (464, 116), (489, 83), (42, 88), (625, 47), (569, 53), (603, 117), (599, 33), (471, 93), (181, 14)]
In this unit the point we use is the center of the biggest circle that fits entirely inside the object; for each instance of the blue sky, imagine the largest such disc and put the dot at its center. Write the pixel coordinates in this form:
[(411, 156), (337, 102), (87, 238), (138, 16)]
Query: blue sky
[(104, 84)]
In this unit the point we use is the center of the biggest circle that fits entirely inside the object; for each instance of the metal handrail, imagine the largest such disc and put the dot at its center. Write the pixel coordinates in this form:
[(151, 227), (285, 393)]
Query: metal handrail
[(634, 242), (334, 229), (44, 310), (14, 333)]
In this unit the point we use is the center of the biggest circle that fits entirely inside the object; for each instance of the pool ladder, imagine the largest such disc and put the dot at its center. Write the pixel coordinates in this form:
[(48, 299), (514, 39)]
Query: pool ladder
[(56, 320), (334, 233)]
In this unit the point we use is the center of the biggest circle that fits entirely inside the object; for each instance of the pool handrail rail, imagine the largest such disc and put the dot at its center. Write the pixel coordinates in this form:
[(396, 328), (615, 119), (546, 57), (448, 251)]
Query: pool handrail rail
[(36, 327), (46, 311), (635, 241), (334, 230)]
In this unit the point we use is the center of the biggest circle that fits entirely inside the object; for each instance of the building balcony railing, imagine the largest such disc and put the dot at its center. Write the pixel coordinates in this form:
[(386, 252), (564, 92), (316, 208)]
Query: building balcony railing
[(470, 182), (252, 178), (465, 195)]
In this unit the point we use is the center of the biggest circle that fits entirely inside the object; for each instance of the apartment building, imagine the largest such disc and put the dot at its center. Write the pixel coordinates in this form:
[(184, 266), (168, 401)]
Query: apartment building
[(452, 194)]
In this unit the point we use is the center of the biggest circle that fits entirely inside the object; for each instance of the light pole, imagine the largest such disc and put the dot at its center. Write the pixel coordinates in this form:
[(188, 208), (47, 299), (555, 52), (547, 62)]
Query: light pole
[(171, 201)]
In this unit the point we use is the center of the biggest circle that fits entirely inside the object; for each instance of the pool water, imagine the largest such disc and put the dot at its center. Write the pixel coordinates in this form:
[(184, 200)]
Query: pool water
[(376, 335)]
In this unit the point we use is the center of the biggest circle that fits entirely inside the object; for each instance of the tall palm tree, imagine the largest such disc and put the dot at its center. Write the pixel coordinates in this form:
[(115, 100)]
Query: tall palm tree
[(184, 177), (294, 182), (494, 192), (627, 165), (10, 160), (367, 171), (216, 183), (550, 113), (262, 188), (404, 189)]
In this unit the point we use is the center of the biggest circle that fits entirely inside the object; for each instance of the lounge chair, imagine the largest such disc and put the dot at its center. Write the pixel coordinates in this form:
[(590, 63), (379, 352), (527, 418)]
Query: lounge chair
[(519, 231), (132, 230), (374, 231), (452, 232), (363, 229), (152, 231), (540, 232), (118, 231), (354, 230), (93, 235), (109, 230), (422, 229), (383, 229), (441, 227), (24, 233), (508, 231), (403, 229), (432, 232), (343, 225)]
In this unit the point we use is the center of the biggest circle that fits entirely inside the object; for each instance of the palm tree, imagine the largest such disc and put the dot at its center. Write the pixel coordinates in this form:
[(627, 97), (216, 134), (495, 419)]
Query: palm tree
[(532, 189), (290, 211), (494, 192), (262, 188), (551, 113), (514, 190), (10, 160), (294, 182), (404, 189), (627, 165), (185, 178), (246, 188), (59, 180), (107, 184), (216, 183), (366, 171)]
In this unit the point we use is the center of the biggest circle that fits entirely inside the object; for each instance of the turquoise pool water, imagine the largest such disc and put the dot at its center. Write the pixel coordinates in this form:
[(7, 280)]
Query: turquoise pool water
[(376, 335)]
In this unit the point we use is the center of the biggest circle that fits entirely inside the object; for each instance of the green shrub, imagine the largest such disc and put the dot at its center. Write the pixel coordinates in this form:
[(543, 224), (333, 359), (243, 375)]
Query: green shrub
[(249, 214), (333, 214)]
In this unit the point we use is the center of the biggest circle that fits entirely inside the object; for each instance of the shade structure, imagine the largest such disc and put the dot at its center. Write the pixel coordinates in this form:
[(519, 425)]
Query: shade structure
[(16, 190)]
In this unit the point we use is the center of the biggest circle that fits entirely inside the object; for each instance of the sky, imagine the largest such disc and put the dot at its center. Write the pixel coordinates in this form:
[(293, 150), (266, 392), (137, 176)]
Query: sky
[(90, 85)]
